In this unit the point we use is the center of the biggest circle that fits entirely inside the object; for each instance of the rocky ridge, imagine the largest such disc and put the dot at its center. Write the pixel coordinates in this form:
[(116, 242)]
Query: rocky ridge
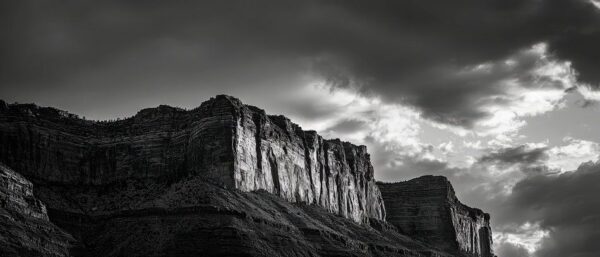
[(223, 179), (426, 208), (235, 145)]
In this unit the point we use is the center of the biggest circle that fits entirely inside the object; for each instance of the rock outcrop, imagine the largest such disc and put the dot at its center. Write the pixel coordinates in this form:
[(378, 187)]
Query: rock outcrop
[(223, 179), (223, 140), (24, 224), (16, 194), (186, 218), (195, 218), (426, 208)]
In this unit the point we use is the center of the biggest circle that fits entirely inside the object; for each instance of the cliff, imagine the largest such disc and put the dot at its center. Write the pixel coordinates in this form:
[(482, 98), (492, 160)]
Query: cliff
[(26, 229), (223, 140), (187, 218), (426, 208), (223, 179)]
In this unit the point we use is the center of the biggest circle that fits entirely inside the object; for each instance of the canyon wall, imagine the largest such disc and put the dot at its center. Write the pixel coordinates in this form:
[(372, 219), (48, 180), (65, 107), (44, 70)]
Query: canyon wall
[(24, 224), (223, 141), (426, 208), (217, 180), (189, 217), (276, 155)]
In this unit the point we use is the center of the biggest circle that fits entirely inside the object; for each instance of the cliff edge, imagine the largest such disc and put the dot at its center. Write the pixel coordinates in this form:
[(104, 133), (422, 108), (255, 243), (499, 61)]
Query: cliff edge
[(426, 208), (223, 140), (223, 179)]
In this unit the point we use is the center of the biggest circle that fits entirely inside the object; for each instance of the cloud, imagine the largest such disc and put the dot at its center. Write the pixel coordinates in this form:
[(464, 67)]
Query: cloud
[(446, 147), (568, 157), (516, 155), (511, 250), (566, 205), (522, 238), (528, 83), (590, 95), (473, 144), (462, 63), (350, 115), (543, 213)]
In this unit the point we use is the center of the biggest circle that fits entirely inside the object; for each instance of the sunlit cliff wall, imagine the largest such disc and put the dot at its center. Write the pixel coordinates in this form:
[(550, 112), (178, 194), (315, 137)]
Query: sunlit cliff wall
[(223, 140)]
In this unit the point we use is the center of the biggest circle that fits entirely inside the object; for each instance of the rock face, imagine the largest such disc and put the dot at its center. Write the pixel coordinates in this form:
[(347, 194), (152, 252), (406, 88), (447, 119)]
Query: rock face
[(224, 141), (16, 194), (426, 208), (195, 218), (186, 218), (223, 179), (26, 230)]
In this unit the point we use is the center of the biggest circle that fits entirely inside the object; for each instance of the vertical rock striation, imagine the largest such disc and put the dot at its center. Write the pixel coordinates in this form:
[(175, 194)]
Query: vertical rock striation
[(223, 140), (427, 208), (276, 155), (161, 184), (25, 227), (16, 194)]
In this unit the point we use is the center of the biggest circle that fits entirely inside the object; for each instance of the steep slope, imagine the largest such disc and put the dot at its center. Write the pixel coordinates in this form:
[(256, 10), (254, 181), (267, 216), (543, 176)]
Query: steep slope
[(426, 208), (195, 218), (188, 218), (223, 179), (229, 143), (26, 229)]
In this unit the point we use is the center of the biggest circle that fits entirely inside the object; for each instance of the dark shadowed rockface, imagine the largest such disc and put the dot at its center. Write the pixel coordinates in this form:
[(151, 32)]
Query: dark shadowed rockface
[(24, 225), (223, 179), (229, 143), (426, 208)]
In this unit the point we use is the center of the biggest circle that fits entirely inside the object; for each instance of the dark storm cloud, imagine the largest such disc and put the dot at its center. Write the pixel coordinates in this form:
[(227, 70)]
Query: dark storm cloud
[(403, 50), (567, 206), (516, 155)]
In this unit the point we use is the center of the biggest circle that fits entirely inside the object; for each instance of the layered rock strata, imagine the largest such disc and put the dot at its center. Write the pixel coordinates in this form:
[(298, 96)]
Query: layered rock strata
[(186, 218), (223, 140), (426, 208), (25, 229), (16, 194), (223, 179), (195, 218)]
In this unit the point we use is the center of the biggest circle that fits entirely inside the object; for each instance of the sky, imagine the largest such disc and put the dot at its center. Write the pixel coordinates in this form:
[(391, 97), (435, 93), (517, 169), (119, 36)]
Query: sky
[(500, 96)]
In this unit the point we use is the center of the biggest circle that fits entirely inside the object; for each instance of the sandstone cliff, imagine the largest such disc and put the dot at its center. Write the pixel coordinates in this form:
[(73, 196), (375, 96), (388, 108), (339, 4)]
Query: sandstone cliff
[(427, 208), (186, 218), (24, 224), (223, 140), (223, 179)]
